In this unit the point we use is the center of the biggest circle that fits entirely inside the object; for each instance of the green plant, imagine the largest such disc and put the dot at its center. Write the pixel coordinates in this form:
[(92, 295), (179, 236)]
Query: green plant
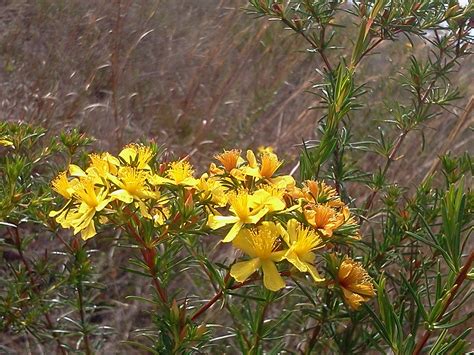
[(374, 263)]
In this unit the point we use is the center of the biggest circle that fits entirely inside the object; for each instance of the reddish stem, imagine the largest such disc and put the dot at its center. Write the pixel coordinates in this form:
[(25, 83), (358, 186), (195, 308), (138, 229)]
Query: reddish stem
[(221, 292), (207, 305), (457, 284), (148, 256)]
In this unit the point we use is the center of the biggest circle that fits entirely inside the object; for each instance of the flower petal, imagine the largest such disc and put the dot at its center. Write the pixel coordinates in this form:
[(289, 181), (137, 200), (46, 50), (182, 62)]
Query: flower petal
[(292, 257), (314, 273), (216, 222), (257, 216), (242, 242), (233, 232), (364, 289), (74, 170), (242, 270), (89, 231), (353, 299), (271, 277), (122, 195)]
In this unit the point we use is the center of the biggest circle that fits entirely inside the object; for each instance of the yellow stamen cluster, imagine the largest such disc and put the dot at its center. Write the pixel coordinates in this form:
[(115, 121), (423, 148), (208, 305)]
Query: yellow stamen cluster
[(229, 159)]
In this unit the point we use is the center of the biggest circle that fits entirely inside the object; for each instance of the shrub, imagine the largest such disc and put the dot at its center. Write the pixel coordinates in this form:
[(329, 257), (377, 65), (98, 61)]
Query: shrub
[(295, 264)]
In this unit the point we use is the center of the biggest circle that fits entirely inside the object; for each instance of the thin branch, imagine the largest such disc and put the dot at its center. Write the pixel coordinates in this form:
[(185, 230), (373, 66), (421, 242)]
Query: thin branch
[(219, 294), (80, 298), (315, 46), (49, 323), (457, 284)]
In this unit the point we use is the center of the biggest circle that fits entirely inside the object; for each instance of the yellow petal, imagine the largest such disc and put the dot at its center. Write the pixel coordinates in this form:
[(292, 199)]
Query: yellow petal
[(344, 270), (160, 180), (122, 195), (233, 232), (257, 216), (102, 204), (353, 300), (314, 273), (271, 277), (74, 170), (6, 143), (292, 234), (89, 231), (283, 182), (278, 255), (144, 210), (292, 257), (248, 170), (242, 242), (242, 270), (56, 213), (365, 289), (216, 222), (81, 221), (128, 154), (262, 197), (190, 181), (252, 161)]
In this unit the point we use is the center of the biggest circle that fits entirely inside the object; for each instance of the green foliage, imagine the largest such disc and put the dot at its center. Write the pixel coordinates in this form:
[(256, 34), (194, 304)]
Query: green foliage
[(413, 234)]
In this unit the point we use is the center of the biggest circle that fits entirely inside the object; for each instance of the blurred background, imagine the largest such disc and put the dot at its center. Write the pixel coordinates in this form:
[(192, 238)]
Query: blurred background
[(195, 76)]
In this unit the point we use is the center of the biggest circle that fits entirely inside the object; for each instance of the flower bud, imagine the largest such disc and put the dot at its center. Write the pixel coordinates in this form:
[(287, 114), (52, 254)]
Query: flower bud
[(298, 23), (277, 8), (201, 330)]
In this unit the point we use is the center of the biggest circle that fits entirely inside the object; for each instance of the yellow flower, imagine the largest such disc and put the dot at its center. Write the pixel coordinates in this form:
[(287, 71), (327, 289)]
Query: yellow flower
[(6, 143), (132, 185), (230, 159), (180, 173), (268, 167), (91, 199), (319, 192), (269, 164), (240, 206), (355, 283), (262, 246), (212, 189), (103, 164), (302, 242), (268, 197), (321, 217), (99, 168), (63, 186), (137, 155)]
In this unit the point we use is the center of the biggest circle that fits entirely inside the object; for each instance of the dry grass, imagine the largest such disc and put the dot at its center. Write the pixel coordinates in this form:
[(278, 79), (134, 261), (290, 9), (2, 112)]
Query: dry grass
[(195, 76)]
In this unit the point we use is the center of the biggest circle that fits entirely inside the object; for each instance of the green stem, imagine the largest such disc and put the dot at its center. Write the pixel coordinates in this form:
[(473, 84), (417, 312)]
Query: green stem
[(258, 337), (49, 323), (87, 347)]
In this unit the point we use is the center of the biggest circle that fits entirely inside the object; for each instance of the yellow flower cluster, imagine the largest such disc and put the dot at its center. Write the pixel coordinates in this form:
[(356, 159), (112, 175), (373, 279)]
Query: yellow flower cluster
[(127, 178), (274, 222)]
